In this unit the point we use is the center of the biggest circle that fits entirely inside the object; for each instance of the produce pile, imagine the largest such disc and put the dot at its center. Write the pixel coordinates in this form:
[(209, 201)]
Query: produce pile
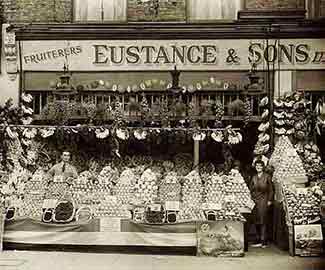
[(232, 188), (215, 189), (124, 189), (191, 197), (147, 188), (237, 190), (89, 193), (281, 146), (33, 199), (302, 205), (111, 207), (290, 169), (310, 154), (170, 188)]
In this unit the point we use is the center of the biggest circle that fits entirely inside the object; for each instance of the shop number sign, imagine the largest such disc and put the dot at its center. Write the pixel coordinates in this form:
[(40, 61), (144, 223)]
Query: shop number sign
[(165, 54)]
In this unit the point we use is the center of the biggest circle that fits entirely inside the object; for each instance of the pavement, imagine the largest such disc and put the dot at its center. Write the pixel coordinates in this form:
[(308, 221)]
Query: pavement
[(256, 258)]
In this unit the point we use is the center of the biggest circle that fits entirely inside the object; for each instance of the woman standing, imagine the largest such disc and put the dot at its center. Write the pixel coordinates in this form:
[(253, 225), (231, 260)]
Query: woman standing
[(262, 193)]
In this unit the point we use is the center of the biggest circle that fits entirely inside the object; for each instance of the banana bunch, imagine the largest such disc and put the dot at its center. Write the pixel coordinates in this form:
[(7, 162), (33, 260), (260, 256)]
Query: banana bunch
[(26, 110), (47, 132), (122, 134), (12, 133), (248, 110), (219, 110), (28, 98), (30, 133), (102, 133)]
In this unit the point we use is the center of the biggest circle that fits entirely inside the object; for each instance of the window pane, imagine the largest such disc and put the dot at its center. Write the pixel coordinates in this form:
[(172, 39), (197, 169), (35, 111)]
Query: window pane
[(114, 10), (214, 9), (100, 10)]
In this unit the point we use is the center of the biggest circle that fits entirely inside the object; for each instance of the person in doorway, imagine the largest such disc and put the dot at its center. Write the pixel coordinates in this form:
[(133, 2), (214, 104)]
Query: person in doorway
[(63, 171), (262, 193)]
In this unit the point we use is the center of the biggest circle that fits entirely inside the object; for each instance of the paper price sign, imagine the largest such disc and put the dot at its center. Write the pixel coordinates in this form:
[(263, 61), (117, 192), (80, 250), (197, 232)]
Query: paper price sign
[(50, 203), (172, 205), (229, 198), (155, 207), (214, 206), (58, 179)]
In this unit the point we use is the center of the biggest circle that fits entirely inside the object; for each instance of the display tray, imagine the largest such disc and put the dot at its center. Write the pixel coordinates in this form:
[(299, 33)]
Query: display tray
[(100, 232)]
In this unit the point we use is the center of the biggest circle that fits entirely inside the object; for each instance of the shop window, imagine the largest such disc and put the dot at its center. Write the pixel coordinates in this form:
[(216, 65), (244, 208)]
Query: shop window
[(156, 10), (213, 9), (100, 10), (315, 9), (275, 4)]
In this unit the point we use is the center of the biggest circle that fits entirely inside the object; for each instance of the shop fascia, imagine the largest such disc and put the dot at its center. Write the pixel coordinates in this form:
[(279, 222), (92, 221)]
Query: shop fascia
[(195, 53)]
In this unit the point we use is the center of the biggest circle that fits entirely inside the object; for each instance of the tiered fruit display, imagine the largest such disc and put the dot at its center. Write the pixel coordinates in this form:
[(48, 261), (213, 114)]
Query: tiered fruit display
[(237, 191), (111, 207), (313, 164), (125, 187), (290, 168), (190, 213), (147, 188), (108, 176), (170, 188), (34, 193), (192, 190), (215, 189), (282, 145), (56, 190), (302, 205), (89, 193)]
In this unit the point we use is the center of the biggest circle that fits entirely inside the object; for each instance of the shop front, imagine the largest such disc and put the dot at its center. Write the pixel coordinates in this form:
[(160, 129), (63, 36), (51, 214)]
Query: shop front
[(153, 129)]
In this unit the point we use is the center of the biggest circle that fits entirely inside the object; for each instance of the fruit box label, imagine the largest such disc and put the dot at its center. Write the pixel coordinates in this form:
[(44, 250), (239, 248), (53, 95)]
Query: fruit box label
[(172, 205), (155, 207), (110, 224)]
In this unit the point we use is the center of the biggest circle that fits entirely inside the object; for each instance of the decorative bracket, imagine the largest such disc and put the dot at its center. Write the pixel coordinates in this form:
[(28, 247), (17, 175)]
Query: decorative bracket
[(10, 51)]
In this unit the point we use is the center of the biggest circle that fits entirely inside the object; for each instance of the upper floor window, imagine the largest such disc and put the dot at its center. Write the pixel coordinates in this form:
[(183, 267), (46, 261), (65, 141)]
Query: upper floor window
[(213, 9), (156, 10), (100, 10)]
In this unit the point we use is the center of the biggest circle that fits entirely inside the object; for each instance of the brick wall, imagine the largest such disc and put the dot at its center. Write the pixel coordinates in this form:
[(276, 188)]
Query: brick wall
[(44, 11), (274, 4)]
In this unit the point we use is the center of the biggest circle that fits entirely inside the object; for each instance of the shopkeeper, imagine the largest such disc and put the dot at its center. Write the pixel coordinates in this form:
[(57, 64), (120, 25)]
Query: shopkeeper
[(63, 171), (262, 193)]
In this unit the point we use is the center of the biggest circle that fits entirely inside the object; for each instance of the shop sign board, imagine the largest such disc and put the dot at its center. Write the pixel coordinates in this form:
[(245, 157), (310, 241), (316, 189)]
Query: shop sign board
[(308, 240), (145, 55), (220, 238)]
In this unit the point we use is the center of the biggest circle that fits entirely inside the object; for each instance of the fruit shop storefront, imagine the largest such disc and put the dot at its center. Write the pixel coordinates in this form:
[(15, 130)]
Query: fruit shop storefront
[(153, 128)]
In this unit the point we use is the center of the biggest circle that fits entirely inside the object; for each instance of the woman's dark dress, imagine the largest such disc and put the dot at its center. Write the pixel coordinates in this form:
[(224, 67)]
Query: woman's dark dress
[(262, 192)]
